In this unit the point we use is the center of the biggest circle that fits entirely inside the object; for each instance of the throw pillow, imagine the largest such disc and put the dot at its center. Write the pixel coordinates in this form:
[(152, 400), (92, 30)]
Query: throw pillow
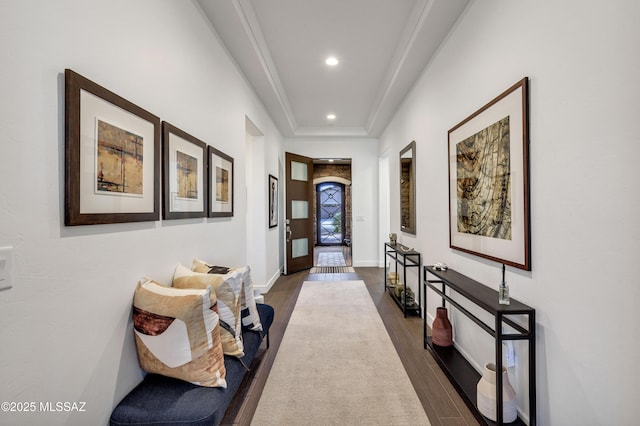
[(228, 291), (251, 321), (177, 334)]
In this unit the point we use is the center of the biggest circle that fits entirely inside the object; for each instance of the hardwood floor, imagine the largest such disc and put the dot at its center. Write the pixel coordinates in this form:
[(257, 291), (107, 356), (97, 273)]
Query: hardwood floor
[(440, 400)]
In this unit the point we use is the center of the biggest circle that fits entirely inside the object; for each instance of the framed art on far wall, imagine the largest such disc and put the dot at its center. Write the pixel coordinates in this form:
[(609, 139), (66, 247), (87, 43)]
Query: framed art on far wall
[(489, 180), (112, 157), (273, 201), (184, 183), (220, 184)]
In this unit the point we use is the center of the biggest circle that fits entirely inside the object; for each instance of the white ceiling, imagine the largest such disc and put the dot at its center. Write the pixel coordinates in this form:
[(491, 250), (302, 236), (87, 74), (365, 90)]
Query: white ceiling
[(382, 46)]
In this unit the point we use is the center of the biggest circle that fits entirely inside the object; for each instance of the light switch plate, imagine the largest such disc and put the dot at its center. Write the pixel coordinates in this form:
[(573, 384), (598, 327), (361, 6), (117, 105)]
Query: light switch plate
[(6, 267)]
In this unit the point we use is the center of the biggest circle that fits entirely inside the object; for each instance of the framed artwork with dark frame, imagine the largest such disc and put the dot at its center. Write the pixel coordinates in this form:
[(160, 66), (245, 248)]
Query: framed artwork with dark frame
[(184, 159), (273, 201), (220, 184), (112, 157), (489, 180)]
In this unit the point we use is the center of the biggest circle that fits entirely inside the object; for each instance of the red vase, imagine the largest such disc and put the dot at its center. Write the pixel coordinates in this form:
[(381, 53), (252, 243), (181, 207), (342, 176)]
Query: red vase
[(441, 333)]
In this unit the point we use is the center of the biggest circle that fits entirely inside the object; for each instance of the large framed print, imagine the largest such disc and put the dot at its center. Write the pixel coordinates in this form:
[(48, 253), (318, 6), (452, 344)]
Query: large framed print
[(489, 180), (220, 184), (112, 156), (273, 201), (184, 159)]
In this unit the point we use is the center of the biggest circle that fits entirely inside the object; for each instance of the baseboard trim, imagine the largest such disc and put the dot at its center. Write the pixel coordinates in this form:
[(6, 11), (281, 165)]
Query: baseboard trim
[(365, 264), (262, 289)]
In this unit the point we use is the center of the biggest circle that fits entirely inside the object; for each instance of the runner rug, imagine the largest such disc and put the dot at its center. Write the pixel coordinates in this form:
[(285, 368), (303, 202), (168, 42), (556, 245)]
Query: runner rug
[(336, 365)]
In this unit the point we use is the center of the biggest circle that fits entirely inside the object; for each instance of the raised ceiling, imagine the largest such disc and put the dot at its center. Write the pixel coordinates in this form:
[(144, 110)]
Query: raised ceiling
[(382, 47)]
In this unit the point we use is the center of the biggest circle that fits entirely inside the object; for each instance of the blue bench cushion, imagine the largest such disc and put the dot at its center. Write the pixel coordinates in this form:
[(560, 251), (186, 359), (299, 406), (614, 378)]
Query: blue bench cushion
[(160, 400)]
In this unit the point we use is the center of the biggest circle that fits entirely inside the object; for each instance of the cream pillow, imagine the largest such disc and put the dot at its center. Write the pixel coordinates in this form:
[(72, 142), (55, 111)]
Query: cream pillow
[(251, 321), (177, 334), (227, 289)]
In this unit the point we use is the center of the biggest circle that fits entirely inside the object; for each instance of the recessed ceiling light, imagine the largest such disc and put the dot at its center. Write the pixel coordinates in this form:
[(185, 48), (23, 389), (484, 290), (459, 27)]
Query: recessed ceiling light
[(331, 117), (331, 61)]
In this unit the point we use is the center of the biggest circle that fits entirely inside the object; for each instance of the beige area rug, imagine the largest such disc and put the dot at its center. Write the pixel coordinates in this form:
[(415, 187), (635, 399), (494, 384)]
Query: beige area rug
[(336, 365), (331, 258)]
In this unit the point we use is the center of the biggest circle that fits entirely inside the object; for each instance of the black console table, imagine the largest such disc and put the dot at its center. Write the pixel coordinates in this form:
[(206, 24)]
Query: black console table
[(459, 371), (406, 259)]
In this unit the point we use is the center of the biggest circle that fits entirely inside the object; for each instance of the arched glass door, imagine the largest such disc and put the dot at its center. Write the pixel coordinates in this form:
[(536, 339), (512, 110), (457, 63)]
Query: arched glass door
[(330, 213)]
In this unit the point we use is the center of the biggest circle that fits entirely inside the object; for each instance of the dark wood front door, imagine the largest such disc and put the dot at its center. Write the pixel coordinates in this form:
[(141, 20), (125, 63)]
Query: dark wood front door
[(299, 220)]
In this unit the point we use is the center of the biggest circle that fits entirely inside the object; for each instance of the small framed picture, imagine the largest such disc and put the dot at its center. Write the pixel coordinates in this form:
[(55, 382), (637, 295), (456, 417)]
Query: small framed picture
[(112, 157), (273, 201), (220, 184), (184, 183)]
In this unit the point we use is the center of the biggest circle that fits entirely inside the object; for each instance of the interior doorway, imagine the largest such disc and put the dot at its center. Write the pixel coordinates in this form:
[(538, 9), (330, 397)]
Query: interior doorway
[(332, 215)]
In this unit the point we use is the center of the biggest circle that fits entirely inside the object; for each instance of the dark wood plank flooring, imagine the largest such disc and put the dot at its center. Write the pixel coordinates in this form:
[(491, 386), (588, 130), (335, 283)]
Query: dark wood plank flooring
[(441, 402)]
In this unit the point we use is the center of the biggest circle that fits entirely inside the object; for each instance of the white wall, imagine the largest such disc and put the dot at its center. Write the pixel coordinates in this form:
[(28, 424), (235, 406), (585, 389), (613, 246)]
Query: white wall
[(262, 242), (364, 188), (582, 60), (65, 328)]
